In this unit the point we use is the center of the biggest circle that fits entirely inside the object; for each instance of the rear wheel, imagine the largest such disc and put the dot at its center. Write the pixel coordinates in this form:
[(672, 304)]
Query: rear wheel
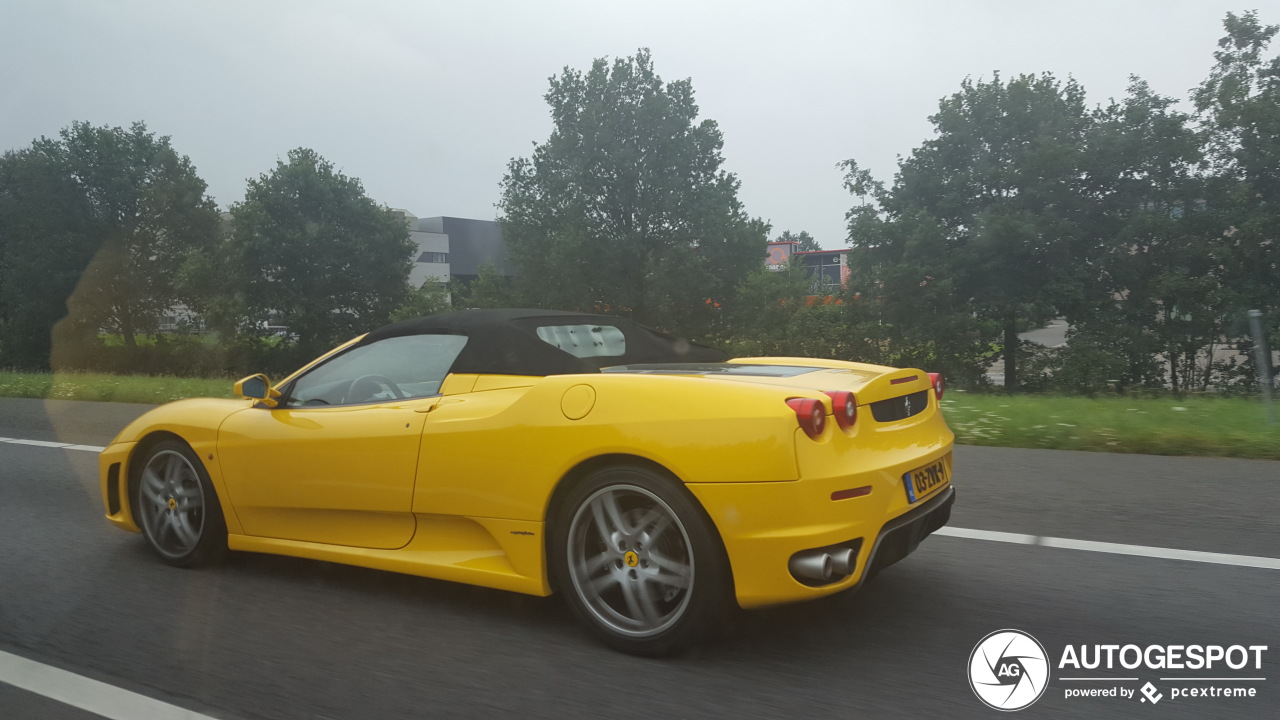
[(177, 508), (638, 560)]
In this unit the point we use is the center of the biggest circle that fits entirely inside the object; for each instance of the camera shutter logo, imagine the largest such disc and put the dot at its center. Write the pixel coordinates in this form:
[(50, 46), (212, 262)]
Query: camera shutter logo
[(1008, 670)]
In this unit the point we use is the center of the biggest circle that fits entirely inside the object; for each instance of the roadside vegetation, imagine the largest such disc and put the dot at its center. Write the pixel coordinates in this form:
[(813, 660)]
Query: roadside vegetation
[(1156, 425), (110, 388)]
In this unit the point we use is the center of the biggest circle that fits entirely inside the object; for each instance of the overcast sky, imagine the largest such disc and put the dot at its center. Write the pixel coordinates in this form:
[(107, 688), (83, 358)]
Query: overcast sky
[(426, 102)]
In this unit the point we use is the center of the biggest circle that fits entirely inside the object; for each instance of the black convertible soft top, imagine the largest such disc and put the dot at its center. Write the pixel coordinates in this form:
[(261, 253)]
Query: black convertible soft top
[(524, 341)]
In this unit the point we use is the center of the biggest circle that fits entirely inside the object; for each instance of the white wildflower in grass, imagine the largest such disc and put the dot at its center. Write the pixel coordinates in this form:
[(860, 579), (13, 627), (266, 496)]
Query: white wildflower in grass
[(1066, 425), (1177, 408)]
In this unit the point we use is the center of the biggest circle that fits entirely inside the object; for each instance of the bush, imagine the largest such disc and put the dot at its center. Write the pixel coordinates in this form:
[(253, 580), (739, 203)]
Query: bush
[(180, 355)]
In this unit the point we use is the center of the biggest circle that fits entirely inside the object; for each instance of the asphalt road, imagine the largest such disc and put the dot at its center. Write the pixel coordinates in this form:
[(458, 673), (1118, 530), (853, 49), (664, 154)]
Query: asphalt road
[(266, 637)]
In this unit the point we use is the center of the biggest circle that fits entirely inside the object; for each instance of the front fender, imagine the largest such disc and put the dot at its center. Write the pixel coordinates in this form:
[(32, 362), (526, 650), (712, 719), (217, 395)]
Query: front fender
[(195, 422)]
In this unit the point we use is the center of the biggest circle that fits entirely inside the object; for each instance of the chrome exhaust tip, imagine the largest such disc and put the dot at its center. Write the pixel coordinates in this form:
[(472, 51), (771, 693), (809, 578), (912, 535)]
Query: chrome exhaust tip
[(811, 565), (843, 561)]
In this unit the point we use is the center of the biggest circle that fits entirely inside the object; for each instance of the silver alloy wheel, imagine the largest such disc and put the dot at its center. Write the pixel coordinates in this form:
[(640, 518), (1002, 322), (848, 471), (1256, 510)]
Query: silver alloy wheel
[(630, 560), (172, 503)]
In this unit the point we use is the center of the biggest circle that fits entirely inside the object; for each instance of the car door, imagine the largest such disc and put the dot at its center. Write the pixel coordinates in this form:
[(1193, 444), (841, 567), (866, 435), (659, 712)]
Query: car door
[(335, 461)]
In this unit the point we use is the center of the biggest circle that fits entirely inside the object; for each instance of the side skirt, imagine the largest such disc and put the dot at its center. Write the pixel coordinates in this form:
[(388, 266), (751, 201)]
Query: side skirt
[(490, 552)]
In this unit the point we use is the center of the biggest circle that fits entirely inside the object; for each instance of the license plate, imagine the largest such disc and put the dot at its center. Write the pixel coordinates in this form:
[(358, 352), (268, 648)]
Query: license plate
[(924, 481)]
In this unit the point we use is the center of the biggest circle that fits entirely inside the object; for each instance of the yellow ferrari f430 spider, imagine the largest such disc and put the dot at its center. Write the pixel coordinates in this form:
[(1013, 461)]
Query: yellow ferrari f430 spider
[(648, 480)]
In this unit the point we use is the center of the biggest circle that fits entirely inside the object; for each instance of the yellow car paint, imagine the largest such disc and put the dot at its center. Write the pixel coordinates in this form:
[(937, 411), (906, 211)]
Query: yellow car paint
[(196, 422), (459, 486), (341, 475), (501, 554)]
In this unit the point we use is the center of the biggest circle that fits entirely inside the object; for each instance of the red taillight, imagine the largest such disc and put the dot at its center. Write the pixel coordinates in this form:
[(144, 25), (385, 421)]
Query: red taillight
[(938, 385), (844, 405), (810, 414)]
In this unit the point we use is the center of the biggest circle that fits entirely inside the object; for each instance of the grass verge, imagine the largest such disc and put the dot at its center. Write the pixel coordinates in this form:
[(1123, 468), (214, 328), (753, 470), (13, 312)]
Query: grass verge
[(110, 388), (1229, 427)]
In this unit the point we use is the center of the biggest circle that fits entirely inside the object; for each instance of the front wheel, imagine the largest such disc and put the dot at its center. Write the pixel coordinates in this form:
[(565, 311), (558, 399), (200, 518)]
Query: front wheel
[(177, 507), (638, 561)]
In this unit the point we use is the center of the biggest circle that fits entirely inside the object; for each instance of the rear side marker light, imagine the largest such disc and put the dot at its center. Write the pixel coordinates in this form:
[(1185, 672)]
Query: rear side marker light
[(811, 415), (844, 406), (939, 386), (851, 493)]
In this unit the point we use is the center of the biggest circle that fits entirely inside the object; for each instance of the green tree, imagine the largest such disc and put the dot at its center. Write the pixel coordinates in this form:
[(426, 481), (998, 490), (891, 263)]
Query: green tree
[(309, 248), (988, 209), (117, 209), (46, 241), (625, 207), (490, 289), (1155, 288), (906, 286), (1239, 108), (150, 213), (428, 299)]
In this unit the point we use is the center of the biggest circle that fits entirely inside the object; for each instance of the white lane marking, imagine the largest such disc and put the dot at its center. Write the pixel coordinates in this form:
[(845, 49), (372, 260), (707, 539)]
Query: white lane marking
[(50, 444), (37, 443), (1115, 548), (78, 691)]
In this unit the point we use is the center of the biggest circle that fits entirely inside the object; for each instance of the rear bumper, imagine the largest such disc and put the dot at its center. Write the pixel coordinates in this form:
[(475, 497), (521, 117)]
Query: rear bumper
[(902, 535), (764, 524)]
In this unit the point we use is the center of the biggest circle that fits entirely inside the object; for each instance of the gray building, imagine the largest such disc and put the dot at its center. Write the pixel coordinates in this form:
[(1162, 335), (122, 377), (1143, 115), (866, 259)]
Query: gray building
[(450, 247)]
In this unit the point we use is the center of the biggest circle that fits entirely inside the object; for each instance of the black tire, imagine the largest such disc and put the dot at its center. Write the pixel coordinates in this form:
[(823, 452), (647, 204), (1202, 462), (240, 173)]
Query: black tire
[(177, 508), (638, 561)]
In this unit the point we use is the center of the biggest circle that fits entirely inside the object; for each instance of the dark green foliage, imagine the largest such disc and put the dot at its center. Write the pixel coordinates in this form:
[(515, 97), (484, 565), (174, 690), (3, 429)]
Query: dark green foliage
[(97, 225), (1151, 231), (310, 250), (430, 298), (1151, 290), (776, 315), (45, 244), (490, 289), (1000, 184), (1239, 107), (625, 207)]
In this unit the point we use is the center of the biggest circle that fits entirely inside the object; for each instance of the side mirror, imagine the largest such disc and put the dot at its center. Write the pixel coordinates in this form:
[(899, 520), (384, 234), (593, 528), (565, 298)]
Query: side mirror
[(257, 387)]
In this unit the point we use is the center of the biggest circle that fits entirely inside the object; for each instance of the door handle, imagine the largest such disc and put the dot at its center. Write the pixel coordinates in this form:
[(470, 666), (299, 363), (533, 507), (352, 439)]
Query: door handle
[(438, 403)]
